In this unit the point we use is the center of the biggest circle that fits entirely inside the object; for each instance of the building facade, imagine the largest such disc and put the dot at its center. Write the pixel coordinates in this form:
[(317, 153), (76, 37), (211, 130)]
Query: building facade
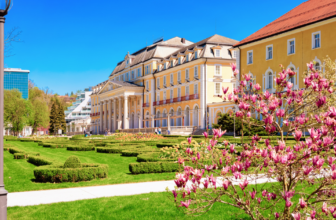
[(16, 78), (171, 84), (77, 116), (306, 33)]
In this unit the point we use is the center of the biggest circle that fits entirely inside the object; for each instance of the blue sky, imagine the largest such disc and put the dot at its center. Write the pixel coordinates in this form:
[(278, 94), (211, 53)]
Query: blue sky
[(71, 45)]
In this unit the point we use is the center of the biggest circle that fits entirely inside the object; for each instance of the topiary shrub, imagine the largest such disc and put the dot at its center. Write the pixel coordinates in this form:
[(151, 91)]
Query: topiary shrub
[(19, 156), (72, 162)]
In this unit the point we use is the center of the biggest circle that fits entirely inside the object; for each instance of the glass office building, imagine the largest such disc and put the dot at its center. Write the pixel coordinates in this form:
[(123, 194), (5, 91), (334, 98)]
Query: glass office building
[(16, 78)]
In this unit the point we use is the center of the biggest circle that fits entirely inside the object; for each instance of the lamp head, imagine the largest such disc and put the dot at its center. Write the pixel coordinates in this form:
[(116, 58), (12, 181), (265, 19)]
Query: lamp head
[(5, 6)]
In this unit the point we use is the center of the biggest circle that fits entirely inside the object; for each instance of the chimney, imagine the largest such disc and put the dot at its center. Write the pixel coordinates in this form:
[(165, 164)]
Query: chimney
[(183, 40)]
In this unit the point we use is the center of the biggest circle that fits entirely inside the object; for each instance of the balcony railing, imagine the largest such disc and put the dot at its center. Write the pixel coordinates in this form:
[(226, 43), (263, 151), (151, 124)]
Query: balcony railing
[(177, 99), (145, 105)]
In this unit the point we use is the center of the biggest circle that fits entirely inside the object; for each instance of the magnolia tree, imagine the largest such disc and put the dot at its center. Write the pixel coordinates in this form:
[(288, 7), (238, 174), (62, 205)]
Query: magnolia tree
[(305, 169)]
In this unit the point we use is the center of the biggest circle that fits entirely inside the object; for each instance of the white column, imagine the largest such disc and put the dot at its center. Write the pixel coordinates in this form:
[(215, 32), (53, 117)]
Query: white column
[(105, 115), (202, 95), (135, 121), (153, 122), (126, 121), (141, 112), (101, 118), (109, 115), (152, 97), (114, 115), (120, 118), (168, 122)]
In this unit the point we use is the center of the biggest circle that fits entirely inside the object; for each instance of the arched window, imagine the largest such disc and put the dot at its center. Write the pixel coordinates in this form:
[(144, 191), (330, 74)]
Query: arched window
[(157, 121), (292, 79), (270, 80), (196, 116), (179, 120), (164, 121), (317, 66), (171, 119)]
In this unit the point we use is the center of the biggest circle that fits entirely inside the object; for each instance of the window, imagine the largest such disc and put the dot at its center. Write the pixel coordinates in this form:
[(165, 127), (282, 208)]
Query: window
[(164, 95), (187, 74), (171, 78), (195, 88), (171, 94), (179, 76), (249, 57), (132, 74), (217, 70), (316, 40), (158, 83), (187, 90), (179, 60), (196, 53), (217, 53), (196, 72), (127, 77), (147, 70), (147, 87), (179, 92), (292, 79), (165, 65), (235, 54), (270, 81), (217, 88), (317, 66), (123, 78), (127, 61), (269, 52), (147, 99), (291, 46), (187, 57), (164, 80), (139, 72), (158, 97), (171, 63)]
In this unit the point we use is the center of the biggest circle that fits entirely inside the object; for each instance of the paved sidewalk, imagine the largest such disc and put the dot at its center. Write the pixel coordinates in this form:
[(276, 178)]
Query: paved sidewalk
[(80, 193)]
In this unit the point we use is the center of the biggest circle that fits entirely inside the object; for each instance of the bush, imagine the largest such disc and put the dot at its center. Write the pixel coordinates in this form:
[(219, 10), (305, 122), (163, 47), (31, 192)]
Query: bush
[(153, 167), (109, 150), (59, 174), (19, 156), (32, 154), (172, 136), (54, 145), (40, 161), (80, 148), (136, 152), (165, 145), (27, 140), (72, 162), (14, 150)]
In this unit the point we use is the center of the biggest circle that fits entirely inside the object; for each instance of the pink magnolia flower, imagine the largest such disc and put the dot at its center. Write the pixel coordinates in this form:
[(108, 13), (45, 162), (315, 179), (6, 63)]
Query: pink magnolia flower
[(321, 101), (232, 148), (276, 215), (236, 72), (247, 77), (225, 170), (233, 66), (280, 112), (175, 194), (332, 112), (189, 140), (225, 90), (259, 200), (180, 160), (220, 134), (296, 216), (237, 175), (302, 203), (264, 193), (325, 208), (257, 87), (226, 184), (248, 114), (213, 142), (327, 141), (333, 175), (253, 194), (307, 170), (289, 85), (309, 65), (244, 184), (206, 183), (185, 204), (205, 134), (230, 96), (332, 209), (331, 160), (288, 203), (297, 135), (198, 155)]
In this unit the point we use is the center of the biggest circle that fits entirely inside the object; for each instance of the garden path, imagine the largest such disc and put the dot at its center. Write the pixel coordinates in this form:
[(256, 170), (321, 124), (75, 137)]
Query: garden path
[(92, 192)]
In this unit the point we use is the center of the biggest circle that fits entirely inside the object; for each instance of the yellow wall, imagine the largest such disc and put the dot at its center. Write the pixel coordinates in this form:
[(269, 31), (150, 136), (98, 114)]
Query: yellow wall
[(303, 50)]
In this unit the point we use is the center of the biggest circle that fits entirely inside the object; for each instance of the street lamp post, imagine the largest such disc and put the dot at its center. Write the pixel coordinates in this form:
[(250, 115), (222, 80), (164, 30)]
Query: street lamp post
[(4, 7)]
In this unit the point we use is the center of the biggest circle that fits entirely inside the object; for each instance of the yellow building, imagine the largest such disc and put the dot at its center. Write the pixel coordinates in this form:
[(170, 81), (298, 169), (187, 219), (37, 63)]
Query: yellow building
[(173, 84), (306, 33)]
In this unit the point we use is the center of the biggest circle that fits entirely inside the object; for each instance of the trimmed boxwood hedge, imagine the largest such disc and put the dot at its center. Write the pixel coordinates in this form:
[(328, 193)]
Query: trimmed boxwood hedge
[(136, 152), (14, 150), (19, 156), (153, 167), (169, 135), (165, 145), (109, 150), (41, 161), (54, 145), (54, 173), (80, 148), (27, 140)]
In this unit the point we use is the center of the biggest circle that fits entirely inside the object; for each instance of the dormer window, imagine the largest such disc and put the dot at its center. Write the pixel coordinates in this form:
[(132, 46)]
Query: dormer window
[(171, 63), (187, 57), (165, 65), (179, 60), (196, 53), (217, 53)]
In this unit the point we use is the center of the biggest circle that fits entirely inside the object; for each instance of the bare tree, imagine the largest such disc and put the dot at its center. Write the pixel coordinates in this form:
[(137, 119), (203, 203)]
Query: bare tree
[(31, 84), (12, 36)]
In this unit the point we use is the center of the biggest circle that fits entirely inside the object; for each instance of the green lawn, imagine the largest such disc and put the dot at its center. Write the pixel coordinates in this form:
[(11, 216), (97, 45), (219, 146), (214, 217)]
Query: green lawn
[(19, 174), (145, 206)]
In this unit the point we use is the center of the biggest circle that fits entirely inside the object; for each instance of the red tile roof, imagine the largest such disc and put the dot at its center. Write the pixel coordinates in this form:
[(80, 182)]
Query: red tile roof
[(306, 13)]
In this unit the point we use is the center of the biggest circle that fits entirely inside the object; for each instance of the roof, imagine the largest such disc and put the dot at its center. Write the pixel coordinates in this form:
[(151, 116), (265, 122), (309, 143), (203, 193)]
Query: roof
[(306, 13), (128, 84)]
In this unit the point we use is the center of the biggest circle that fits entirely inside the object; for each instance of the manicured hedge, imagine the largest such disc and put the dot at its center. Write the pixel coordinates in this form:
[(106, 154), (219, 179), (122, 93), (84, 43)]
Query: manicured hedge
[(27, 140), (54, 145), (59, 174), (165, 145), (136, 152), (19, 156), (168, 136), (109, 150), (14, 150), (80, 148), (131, 144), (148, 157), (153, 167), (40, 161)]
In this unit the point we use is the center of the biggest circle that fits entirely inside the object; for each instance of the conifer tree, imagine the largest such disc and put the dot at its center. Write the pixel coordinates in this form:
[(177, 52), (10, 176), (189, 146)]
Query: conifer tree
[(61, 117), (53, 118)]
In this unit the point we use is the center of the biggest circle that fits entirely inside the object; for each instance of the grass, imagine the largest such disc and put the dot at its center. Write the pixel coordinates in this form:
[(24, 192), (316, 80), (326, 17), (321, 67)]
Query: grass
[(19, 175), (144, 206)]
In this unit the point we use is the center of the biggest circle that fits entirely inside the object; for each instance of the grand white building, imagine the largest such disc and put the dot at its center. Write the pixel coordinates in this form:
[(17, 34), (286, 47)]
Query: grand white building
[(77, 116)]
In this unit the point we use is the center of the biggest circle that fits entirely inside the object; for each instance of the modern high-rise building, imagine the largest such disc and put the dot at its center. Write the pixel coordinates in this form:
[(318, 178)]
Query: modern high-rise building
[(16, 78)]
